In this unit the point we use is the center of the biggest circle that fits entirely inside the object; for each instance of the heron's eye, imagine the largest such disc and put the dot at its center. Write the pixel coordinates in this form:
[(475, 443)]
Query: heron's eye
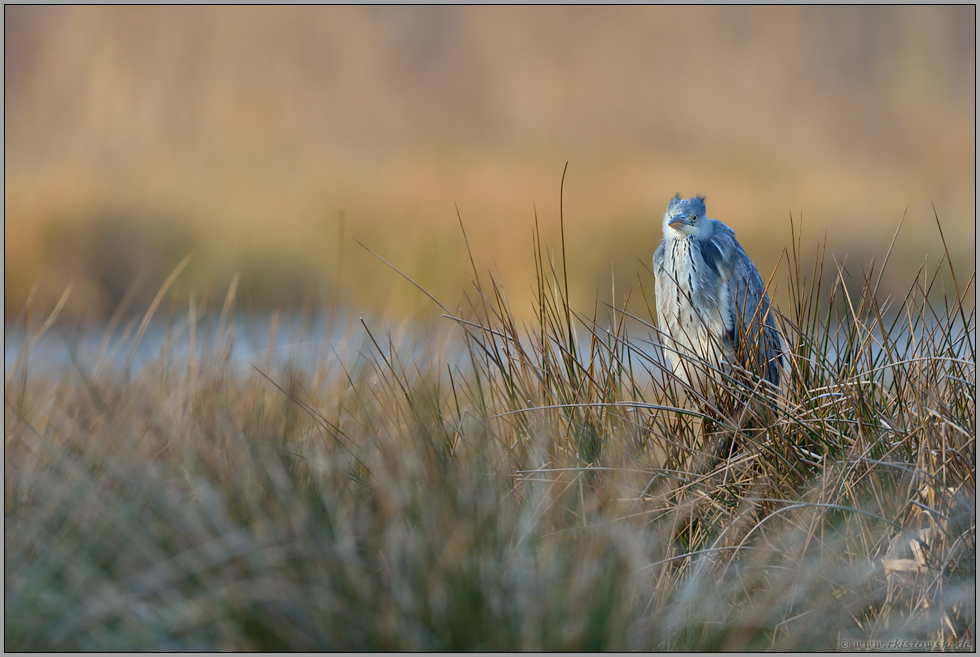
[(694, 218)]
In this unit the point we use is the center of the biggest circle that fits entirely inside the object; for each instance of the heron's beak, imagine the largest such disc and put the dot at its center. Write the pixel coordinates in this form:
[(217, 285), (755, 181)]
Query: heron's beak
[(678, 221)]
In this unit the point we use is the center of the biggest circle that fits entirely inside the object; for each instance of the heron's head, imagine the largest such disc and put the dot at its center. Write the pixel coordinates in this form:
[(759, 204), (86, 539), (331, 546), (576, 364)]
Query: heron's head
[(685, 217)]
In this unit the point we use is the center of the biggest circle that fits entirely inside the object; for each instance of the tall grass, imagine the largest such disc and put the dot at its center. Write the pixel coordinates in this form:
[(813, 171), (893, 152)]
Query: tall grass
[(506, 486)]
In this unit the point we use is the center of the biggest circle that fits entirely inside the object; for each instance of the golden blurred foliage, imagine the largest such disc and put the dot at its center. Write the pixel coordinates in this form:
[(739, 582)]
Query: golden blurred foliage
[(265, 138)]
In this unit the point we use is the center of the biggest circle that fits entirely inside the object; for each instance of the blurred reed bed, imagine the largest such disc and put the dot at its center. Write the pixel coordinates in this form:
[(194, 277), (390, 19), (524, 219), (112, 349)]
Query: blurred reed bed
[(490, 483), (136, 134)]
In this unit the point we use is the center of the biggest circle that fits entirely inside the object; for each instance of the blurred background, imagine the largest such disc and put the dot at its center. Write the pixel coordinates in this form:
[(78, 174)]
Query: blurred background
[(265, 140)]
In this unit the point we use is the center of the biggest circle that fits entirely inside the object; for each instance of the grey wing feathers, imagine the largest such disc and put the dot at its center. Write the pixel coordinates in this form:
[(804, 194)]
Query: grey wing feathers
[(712, 255), (750, 307), (658, 259)]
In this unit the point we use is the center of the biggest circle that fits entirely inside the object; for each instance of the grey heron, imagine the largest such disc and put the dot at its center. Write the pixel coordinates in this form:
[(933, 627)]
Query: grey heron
[(712, 305)]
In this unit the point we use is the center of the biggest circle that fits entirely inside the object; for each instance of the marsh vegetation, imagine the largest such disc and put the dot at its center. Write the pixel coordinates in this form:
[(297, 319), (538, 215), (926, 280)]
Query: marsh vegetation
[(488, 483)]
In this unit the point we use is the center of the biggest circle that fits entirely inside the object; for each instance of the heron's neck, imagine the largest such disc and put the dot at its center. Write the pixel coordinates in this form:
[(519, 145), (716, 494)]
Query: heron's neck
[(672, 236)]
